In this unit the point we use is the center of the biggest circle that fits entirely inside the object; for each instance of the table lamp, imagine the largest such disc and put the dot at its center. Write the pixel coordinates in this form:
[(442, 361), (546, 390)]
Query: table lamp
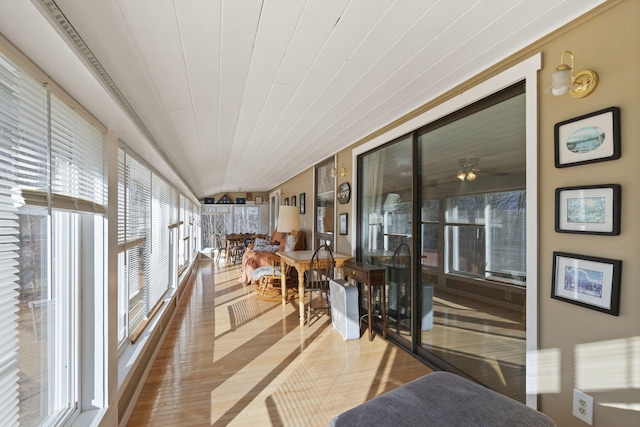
[(288, 219)]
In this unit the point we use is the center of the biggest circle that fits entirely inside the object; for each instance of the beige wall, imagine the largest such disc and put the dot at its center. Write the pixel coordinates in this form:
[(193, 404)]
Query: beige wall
[(610, 45), (301, 183), (579, 348)]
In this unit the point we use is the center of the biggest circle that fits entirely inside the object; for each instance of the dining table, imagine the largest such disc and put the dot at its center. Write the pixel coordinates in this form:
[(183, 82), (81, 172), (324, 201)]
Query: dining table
[(236, 244), (301, 261)]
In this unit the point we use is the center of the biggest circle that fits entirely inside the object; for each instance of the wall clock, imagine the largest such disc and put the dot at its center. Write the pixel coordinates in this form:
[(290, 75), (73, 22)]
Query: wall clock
[(344, 193)]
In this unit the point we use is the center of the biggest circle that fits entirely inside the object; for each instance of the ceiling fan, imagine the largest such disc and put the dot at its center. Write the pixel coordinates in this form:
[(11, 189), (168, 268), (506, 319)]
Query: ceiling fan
[(468, 169)]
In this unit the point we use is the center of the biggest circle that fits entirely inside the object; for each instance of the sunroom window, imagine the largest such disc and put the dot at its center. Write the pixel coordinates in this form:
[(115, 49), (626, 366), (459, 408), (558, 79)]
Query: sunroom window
[(52, 206)]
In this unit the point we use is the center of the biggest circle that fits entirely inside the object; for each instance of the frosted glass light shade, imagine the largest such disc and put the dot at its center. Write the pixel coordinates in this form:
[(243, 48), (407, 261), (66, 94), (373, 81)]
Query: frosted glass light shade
[(561, 82)]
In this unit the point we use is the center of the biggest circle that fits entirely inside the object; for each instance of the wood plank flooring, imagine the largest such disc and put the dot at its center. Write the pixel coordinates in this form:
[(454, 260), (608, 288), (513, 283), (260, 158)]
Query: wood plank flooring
[(232, 359)]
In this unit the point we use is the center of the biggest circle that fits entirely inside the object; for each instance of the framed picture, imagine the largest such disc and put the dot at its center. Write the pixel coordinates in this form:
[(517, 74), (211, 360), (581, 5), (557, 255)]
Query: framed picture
[(241, 200), (209, 200), (591, 138), (293, 200), (344, 224), (258, 200), (286, 201), (302, 202), (587, 281), (594, 209)]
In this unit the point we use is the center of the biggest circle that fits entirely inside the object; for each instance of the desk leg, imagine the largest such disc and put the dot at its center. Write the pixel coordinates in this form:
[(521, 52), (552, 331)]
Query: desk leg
[(283, 281), (301, 294), (384, 312), (370, 310)]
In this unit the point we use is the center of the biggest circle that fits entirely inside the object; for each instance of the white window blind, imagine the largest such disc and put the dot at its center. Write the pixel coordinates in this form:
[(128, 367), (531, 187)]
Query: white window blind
[(123, 272), (159, 257), (23, 158), (121, 198), (184, 234), (8, 305), (23, 125), (138, 209), (188, 219), (145, 209), (77, 157)]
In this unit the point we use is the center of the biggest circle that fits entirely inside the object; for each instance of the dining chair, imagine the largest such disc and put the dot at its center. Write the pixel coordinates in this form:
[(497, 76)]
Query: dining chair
[(317, 280), (399, 282), (235, 247), (221, 247)]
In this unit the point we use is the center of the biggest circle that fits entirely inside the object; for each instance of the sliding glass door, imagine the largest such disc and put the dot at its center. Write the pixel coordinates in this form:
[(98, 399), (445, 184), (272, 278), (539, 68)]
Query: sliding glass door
[(386, 204), (443, 210), (473, 225)]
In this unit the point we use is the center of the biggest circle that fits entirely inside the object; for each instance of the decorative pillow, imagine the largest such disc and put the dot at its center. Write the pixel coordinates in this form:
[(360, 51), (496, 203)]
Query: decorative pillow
[(291, 243), (261, 245), (266, 248), (260, 242)]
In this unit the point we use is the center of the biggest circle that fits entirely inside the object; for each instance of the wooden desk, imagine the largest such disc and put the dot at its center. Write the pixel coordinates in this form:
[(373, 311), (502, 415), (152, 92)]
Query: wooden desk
[(369, 275), (301, 260)]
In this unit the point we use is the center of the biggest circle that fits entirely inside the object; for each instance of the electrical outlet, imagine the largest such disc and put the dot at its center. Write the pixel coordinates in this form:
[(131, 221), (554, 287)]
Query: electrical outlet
[(583, 406)]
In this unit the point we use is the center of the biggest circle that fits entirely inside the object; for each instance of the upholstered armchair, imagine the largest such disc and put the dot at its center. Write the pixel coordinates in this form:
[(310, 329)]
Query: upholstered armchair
[(257, 255)]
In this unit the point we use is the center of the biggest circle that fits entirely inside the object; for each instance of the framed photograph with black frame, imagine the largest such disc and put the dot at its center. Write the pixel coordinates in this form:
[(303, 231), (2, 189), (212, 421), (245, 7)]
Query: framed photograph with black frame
[(592, 209), (302, 203), (591, 138), (344, 224), (587, 281)]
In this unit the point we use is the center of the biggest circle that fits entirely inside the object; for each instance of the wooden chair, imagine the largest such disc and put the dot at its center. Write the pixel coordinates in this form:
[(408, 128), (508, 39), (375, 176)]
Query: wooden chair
[(221, 248), (269, 280), (317, 279), (235, 247), (399, 282)]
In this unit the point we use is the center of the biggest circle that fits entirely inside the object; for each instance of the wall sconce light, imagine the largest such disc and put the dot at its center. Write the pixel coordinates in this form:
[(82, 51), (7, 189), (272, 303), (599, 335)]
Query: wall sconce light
[(335, 170), (579, 85)]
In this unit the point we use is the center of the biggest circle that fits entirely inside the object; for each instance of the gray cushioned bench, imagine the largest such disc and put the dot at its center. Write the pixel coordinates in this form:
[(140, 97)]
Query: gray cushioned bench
[(442, 399)]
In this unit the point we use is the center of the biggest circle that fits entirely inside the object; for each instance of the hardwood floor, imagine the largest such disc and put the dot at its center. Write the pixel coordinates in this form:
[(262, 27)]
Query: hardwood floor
[(232, 359)]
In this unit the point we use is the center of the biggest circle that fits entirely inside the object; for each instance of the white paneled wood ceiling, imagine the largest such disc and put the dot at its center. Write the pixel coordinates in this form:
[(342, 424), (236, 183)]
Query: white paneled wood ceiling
[(244, 94)]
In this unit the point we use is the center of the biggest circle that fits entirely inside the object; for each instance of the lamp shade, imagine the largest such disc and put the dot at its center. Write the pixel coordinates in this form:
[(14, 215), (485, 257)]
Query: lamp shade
[(288, 219)]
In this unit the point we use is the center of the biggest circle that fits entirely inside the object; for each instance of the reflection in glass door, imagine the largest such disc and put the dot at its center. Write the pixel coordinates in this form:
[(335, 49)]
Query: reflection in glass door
[(386, 204)]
